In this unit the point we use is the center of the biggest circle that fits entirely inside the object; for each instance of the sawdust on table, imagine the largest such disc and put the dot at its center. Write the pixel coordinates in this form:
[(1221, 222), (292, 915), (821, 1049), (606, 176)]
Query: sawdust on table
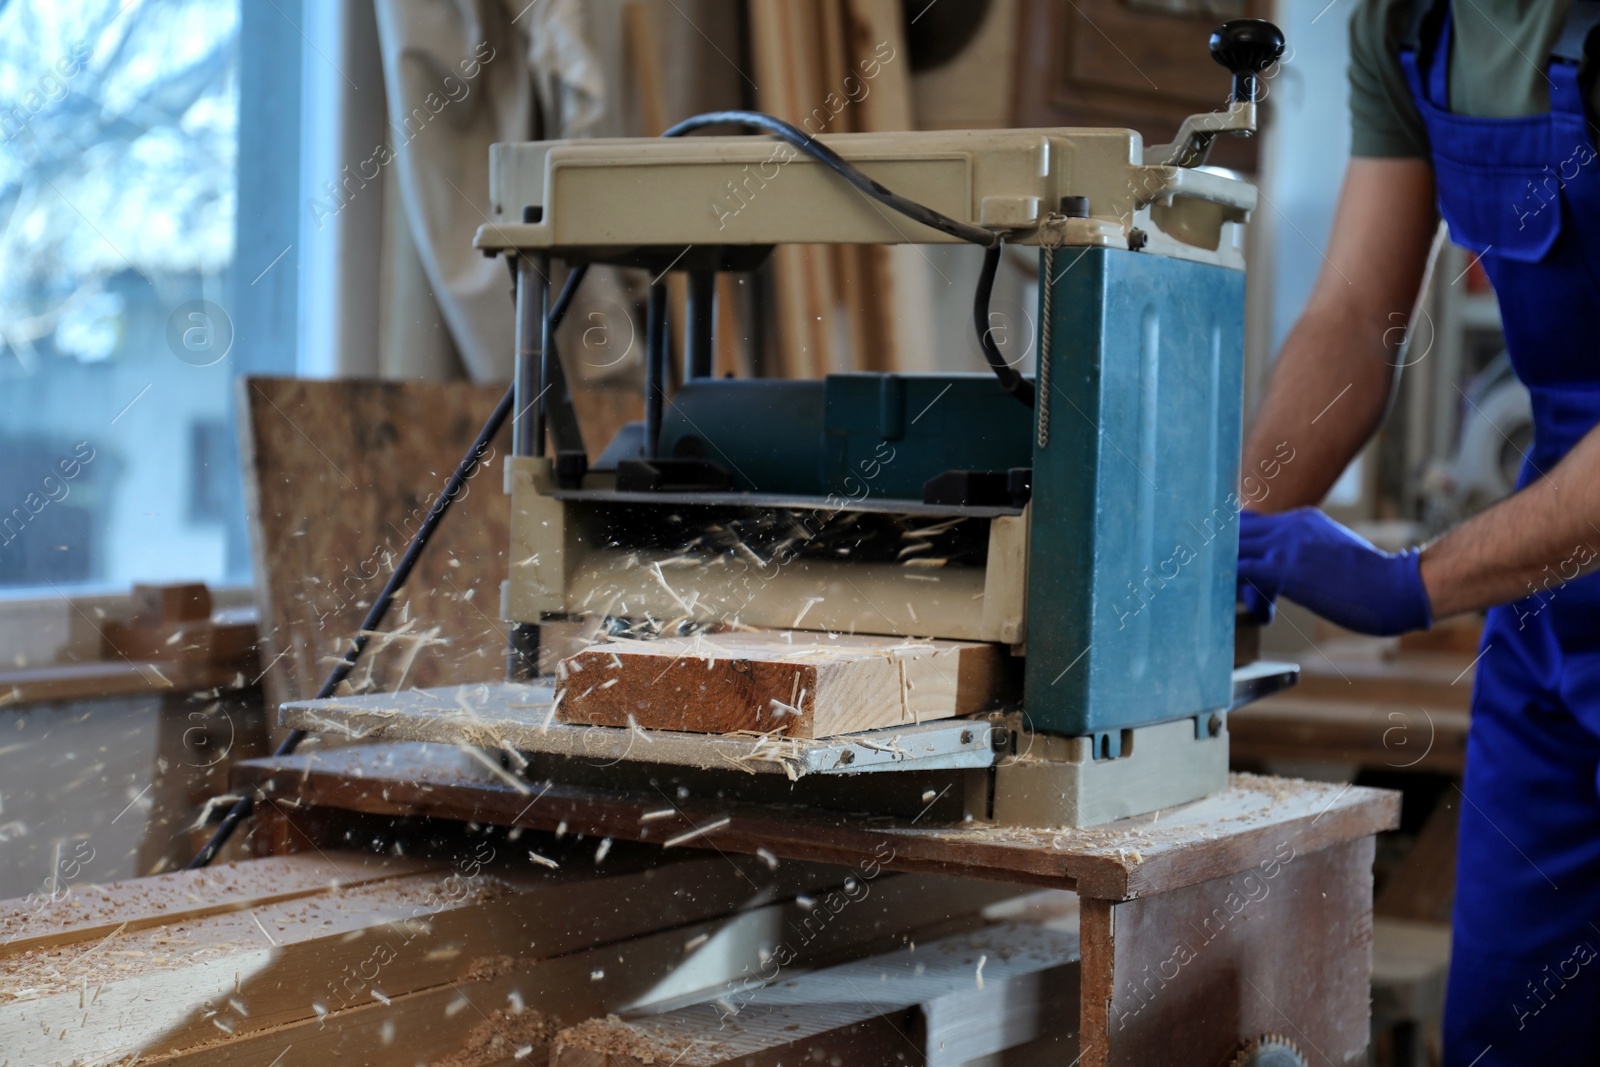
[(616, 1037), (502, 1036)]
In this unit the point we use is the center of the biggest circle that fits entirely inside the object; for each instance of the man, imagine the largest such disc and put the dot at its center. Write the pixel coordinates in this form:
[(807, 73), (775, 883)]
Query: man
[(1482, 111)]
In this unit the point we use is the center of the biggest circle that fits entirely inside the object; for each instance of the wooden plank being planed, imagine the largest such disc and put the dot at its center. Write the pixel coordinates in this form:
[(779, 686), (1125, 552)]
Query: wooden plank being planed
[(797, 684)]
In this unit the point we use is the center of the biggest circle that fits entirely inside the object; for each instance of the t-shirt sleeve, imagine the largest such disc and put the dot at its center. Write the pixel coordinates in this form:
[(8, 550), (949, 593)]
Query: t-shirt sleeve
[(1384, 121)]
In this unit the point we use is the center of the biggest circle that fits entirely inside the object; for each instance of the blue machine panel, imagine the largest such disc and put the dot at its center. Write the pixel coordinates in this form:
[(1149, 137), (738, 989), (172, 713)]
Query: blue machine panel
[(1135, 513), (849, 435)]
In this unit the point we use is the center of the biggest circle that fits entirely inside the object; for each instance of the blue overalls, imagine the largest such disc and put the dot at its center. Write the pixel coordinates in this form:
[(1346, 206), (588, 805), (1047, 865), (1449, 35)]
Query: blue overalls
[(1525, 194)]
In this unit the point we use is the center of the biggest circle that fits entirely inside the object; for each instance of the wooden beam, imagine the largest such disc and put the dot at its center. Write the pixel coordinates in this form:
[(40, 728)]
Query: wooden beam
[(1371, 670), (892, 294), (784, 39), (176, 602), (798, 684), (112, 678), (507, 1004)]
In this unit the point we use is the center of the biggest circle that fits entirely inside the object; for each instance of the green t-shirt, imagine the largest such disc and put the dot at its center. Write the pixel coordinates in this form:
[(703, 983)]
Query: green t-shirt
[(1497, 68)]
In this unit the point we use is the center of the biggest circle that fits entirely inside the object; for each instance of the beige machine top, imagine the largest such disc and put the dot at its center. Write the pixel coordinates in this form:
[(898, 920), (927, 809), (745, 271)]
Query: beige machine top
[(599, 198)]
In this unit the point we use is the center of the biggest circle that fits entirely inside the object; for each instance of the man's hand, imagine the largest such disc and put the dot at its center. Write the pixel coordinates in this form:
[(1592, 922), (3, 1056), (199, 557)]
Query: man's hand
[(1312, 560)]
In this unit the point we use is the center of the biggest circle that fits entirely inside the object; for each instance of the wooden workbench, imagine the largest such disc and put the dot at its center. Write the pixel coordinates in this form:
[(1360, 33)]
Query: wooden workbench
[(1365, 701), (1201, 927)]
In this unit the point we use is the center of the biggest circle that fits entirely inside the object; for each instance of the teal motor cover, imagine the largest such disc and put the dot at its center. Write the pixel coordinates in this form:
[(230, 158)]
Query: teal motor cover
[(848, 436)]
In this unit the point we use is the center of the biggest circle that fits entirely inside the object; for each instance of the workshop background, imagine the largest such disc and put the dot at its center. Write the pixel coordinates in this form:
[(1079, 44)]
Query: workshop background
[(196, 192)]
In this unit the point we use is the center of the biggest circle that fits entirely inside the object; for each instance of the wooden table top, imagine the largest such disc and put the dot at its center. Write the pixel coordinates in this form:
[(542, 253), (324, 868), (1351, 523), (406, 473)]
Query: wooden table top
[(1256, 821)]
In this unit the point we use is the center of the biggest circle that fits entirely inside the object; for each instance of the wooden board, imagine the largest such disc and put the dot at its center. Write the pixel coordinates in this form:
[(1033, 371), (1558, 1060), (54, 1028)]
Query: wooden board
[(519, 719), (338, 475), (979, 993), (1220, 835), (784, 37), (797, 684), (1423, 887), (83, 912), (1371, 670), (1386, 735)]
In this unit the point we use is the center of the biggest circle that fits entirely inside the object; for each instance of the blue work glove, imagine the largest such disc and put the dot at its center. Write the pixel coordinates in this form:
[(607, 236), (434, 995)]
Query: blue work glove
[(1312, 560)]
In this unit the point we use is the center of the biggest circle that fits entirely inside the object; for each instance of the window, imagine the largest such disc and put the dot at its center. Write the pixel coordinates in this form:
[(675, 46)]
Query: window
[(148, 157)]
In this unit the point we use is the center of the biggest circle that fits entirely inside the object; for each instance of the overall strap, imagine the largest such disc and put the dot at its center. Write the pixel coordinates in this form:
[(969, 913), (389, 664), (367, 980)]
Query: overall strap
[(1425, 43)]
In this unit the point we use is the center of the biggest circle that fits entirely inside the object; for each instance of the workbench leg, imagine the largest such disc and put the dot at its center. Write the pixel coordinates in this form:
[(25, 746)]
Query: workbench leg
[(1187, 977)]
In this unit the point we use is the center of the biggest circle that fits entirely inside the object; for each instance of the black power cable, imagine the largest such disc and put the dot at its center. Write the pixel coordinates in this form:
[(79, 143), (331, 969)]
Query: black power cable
[(1010, 380), (839, 165), (380, 607)]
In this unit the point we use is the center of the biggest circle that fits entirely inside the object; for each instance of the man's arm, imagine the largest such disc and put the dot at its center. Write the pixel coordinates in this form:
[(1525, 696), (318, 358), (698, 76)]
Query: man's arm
[(1333, 379), (1328, 393), (1533, 541)]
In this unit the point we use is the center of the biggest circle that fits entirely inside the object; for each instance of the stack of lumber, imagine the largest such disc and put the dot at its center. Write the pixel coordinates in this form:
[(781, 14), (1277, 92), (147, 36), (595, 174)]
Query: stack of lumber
[(477, 956)]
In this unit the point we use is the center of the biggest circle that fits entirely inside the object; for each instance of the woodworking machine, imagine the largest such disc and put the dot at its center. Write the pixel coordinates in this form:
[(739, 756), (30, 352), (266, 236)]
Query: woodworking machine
[(1093, 534)]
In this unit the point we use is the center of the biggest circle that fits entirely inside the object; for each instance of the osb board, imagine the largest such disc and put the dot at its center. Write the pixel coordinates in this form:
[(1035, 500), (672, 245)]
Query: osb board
[(792, 683), (338, 475)]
